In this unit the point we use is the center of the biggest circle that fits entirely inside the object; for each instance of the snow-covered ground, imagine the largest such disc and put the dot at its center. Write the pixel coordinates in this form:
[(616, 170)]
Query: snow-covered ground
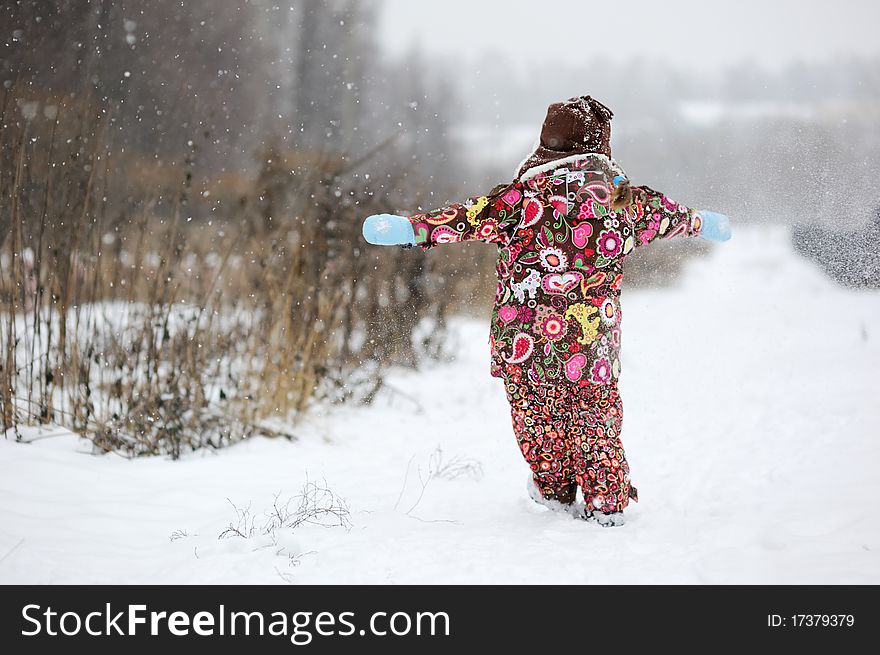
[(752, 425)]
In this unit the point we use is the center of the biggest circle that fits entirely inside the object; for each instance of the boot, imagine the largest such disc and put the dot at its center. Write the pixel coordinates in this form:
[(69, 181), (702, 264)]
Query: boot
[(558, 503)]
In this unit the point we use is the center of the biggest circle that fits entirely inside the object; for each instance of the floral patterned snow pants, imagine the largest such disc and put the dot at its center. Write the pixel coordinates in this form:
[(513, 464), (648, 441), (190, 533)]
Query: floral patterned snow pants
[(570, 436)]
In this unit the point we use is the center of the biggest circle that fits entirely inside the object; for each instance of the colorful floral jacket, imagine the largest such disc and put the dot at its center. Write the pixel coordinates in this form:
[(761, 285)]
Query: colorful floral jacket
[(561, 250)]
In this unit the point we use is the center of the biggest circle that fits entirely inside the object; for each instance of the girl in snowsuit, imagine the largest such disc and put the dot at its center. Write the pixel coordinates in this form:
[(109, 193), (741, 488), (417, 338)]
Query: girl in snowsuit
[(563, 228)]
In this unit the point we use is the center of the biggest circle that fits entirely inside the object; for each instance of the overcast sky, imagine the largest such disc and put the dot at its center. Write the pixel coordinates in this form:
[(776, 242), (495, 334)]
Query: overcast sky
[(686, 33)]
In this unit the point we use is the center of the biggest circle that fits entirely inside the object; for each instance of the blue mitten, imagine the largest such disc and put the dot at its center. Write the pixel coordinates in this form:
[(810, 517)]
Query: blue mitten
[(388, 230), (716, 227)]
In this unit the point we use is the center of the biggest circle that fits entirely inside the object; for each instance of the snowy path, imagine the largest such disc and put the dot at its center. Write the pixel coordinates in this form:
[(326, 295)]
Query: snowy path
[(751, 424)]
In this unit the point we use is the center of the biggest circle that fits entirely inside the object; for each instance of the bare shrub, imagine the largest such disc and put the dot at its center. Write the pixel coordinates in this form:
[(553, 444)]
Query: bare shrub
[(156, 320)]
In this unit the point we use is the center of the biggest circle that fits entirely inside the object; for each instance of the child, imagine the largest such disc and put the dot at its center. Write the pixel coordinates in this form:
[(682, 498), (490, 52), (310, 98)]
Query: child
[(563, 228)]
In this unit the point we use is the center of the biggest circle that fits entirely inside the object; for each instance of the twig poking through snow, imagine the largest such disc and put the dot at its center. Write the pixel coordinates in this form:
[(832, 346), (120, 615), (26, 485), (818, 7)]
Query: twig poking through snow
[(178, 534), (405, 480), (318, 505), (287, 577), (456, 467), (11, 550), (244, 525)]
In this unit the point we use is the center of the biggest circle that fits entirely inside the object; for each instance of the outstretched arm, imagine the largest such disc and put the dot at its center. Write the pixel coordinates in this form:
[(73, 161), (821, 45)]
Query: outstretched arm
[(489, 218), (658, 216)]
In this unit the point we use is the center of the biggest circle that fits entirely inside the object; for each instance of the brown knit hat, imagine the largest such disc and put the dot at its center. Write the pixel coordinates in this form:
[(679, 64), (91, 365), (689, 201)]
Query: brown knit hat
[(573, 127)]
